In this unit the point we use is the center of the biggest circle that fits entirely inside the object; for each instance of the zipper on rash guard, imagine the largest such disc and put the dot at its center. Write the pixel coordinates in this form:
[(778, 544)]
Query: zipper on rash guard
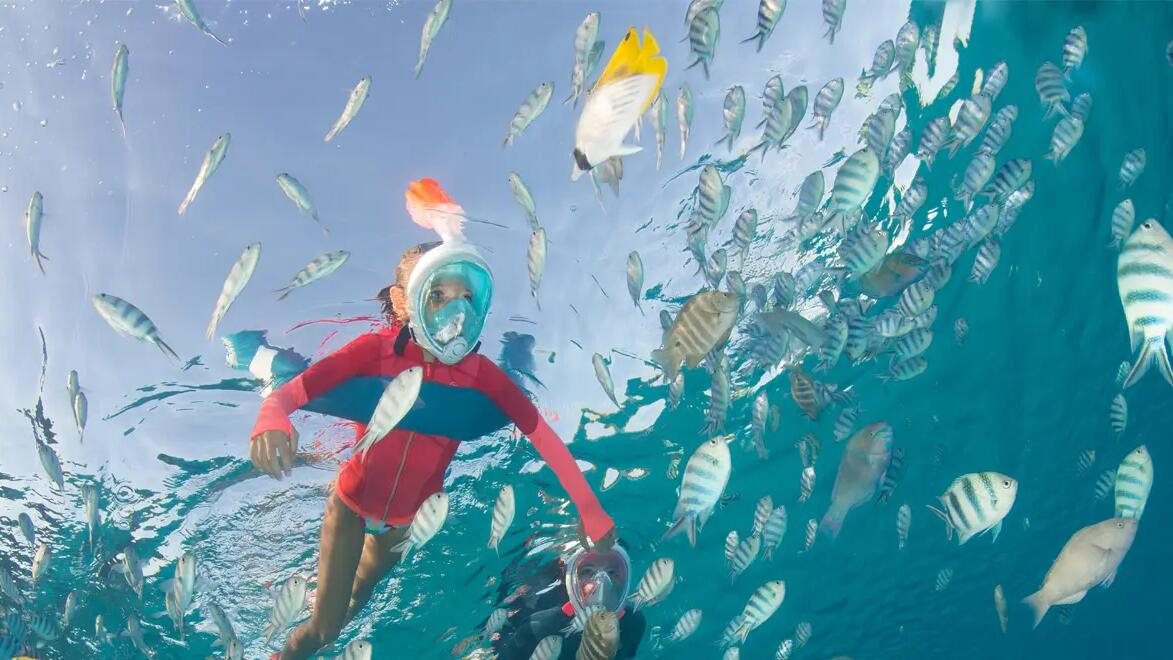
[(398, 473)]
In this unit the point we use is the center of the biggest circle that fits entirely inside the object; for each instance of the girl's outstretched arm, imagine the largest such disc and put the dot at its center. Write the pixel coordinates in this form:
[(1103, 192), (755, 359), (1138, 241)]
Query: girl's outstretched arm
[(497, 385)]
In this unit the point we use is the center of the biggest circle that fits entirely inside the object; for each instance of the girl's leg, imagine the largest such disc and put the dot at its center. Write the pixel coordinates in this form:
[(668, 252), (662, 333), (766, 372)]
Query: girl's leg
[(341, 547), (377, 559)]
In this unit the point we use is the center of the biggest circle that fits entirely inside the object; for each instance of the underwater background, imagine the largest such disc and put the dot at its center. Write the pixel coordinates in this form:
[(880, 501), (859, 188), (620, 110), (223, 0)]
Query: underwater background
[(1025, 394)]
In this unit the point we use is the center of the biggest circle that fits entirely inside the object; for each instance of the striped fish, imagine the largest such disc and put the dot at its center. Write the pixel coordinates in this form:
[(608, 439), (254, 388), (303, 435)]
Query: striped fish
[(950, 84), (761, 512), (779, 124), (977, 174), (712, 196), (928, 42), (585, 36), (932, 139), (995, 81), (600, 637), (300, 196), (784, 650), (912, 344), (675, 391), (744, 555), (798, 98), (832, 349), (686, 626), (1123, 217), (773, 531), (810, 196), (1081, 106), (360, 649), (907, 40), (825, 103), (398, 398), (609, 172), (719, 397), (760, 607), (1144, 276), (705, 478), (536, 262), (905, 369), (731, 542), (769, 12), (703, 324), (1087, 458), (833, 17), (744, 232), (892, 476), (130, 321), (912, 199), (715, 268), (659, 110), (891, 324), (703, 33), (603, 374), (806, 483), (882, 61), (1122, 372), (1132, 167), (845, 423), (188, 10), (733, 114), (1051, 88), (999, 131), (986, 261), (697, 6), (863, 249), (425, 524), (802, 390), (635, 276), (503, 512), (432, 25), (315, 270), (41, 562), (496, 621), (33, 215), (1105, 483), (783, 286), (8, 587), (655, 585), (976, 503), (531, 108), (971, 118), (761, 411), (1074, 49), (288, 602), (358, 96), (1134, 480), (1118, 414), (854, 182), (802, 634), (208, 167), (898, 149), (1012, 175), (944, 577), (238, 277), (903, 523), (808, 449), (980, 224), (684, 115), (118, 76), (548, 649), (1064, 138), (772, 94), (916, 298), (878, 131), (812, 529), (524, 199)]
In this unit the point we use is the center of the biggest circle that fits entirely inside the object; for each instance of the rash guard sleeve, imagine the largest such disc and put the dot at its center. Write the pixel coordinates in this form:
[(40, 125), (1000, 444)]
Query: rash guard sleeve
[(521, 411), (360, 357)]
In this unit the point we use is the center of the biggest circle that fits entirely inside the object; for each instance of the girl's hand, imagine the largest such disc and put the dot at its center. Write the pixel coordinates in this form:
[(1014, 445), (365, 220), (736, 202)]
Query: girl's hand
[(272, 453)]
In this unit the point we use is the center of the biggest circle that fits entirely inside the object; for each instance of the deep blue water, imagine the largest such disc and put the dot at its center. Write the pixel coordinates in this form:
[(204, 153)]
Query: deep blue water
[(1026, 393)]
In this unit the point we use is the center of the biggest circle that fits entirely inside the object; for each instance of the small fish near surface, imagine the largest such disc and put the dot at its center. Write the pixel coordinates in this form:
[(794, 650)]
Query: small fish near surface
[(358, 96), (425, 524), (864, 461), (432, 24), (703, 324), (130, 321), (187, 9), (1090, 558), (32, 225), (397, 399), (210, 164), (297, 193), (288, 602), (531, 108), (705, 478), (976, 503), (315, 270), (238, 277), (603, 374)]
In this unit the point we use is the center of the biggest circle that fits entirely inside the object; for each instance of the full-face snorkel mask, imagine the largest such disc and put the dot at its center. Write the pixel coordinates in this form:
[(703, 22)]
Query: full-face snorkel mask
[(599, 579), (451, 330)]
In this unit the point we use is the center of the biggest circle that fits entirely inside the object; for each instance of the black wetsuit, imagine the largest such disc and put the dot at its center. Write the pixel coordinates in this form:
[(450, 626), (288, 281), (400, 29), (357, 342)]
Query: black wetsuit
[(521, 635)]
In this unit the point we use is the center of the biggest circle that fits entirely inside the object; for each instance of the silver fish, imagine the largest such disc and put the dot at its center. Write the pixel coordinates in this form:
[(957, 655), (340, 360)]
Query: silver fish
[(703, 33), (603, 374), (825, 103), (425, 524), (397, 399), (635, 276), (1132, 167), (32, 225), (315, 270), (503, 512), (1074, 49), (531, 108), (288, 602), (833, 17), (134, 631), (132, 569), (684, 115), (41, 561), (1066, 135), (297, 193), (89, 496), (659, 110), (118, 74), (524, 199), (1144, 276), (584, 38), (903, 523), (359, 649), (187, 10), (769, 12), (705, 478), (536, 262), (208, 167), (224, 627), (435, 20), (358, 96), (733, 114), (238, 277), (26, 528), (128, 320)]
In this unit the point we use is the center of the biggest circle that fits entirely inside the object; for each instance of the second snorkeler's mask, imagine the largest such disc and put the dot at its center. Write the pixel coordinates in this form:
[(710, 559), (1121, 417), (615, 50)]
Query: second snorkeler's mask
[(598, 579), (448, 297)]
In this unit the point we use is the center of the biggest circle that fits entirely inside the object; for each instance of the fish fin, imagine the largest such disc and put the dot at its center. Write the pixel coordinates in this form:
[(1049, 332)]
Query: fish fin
[(622, 61), (686, 524), (167, 350), (403, 547), (996, 530), (831, 523), (166, 586), (944, 517), (1163, 361), (1109, 580), (668, 360), (1144, 360), (627, 150), (284, 292), (1038, 606)]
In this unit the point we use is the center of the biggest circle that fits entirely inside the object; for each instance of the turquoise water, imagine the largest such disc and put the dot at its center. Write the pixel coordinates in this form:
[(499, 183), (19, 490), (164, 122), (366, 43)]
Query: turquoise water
[(1025, 394)]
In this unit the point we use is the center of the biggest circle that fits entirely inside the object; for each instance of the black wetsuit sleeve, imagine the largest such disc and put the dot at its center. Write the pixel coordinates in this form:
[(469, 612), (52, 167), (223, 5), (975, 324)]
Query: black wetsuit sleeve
[(519, 642), (631, 631)]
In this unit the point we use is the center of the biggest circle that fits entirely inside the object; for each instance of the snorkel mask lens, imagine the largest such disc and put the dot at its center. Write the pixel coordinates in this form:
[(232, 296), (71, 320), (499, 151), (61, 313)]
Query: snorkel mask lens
[(454, 301), (598, 579)]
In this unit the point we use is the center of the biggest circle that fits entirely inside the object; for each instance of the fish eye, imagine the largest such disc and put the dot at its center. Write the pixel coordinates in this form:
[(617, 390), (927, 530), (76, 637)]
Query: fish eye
[(1005, 484), (1147, 225), (1120, 525)]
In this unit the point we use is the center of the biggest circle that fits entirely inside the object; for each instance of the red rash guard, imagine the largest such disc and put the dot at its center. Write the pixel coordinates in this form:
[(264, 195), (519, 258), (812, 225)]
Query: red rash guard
[(405, 467)]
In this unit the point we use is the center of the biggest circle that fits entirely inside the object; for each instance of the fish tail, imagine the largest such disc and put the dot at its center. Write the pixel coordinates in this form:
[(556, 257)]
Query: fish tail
[(686, 524), (211, 329), (831, 523), (1038, 605), (38, 257), (1150, 352), (402, 548), (167, 350), (284, 292), (741, 633)]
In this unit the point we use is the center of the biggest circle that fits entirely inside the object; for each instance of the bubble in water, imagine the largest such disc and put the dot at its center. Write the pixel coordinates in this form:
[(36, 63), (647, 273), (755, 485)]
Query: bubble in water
[(44, 122), (46, 27), (16, 105), (3, 189)]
